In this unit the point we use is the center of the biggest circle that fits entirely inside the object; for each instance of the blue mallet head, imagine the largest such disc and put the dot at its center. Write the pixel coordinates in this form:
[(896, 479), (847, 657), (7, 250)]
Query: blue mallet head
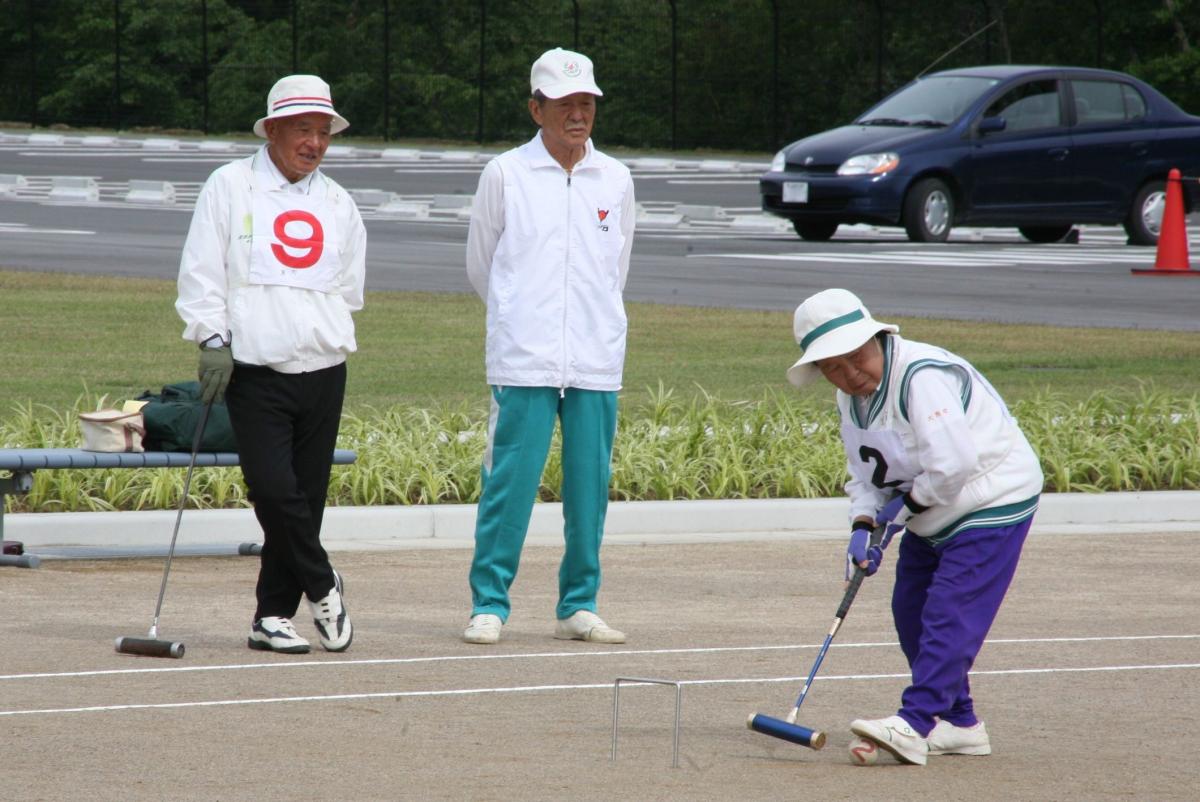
[(778, 728)]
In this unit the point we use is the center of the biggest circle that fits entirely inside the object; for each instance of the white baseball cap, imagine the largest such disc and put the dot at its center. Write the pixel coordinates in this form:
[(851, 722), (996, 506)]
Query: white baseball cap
[(300, 94), (558, 73), (830, 323)]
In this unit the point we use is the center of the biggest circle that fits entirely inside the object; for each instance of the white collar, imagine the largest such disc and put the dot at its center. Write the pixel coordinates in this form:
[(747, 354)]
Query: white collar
[(271, 177), (541, 156)]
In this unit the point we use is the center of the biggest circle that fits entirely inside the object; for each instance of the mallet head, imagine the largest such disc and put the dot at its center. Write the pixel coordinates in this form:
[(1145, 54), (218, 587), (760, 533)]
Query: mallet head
[(777, 728), (149, 647)]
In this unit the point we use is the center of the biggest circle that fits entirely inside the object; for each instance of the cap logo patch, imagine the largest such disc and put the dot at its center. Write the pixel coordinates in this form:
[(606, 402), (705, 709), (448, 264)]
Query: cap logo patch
[(571, 69)]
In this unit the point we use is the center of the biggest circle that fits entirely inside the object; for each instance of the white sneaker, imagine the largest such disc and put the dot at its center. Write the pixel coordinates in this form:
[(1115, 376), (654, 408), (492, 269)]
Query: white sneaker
[(947, 739), (586, 625), (484, 628), (332, 620), (895, 735), (273, 634)]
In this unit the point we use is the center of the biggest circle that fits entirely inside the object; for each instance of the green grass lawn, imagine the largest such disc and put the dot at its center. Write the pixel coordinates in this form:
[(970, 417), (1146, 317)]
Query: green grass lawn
[(1105, 409), (65, 336)]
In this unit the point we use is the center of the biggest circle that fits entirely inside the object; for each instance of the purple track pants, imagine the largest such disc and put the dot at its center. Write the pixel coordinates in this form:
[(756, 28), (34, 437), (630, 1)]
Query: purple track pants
[(944, 602)]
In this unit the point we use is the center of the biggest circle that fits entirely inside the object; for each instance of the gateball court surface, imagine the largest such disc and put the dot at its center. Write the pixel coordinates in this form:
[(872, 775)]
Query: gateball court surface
[(1089, 681)]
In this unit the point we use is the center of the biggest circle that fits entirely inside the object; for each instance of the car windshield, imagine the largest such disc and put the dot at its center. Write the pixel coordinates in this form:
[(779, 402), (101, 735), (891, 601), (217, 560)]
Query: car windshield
[(935, 101)]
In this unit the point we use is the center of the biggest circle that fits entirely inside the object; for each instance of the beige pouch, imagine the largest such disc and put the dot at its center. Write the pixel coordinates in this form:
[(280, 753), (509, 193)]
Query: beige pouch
[(112, 430)]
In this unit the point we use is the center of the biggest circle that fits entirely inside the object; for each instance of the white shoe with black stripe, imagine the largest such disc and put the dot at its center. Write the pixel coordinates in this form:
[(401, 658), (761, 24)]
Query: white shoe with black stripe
[(274, 634), (332, 620)]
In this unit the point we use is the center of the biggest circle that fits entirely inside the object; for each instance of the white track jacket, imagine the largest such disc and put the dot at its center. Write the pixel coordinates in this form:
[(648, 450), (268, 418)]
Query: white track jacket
[(273, 322), (548, 251), (937, 428)]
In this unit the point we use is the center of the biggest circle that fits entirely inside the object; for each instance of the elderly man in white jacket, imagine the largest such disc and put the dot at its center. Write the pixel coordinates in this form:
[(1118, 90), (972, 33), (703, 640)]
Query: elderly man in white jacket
[(273, 267), (548, 250)]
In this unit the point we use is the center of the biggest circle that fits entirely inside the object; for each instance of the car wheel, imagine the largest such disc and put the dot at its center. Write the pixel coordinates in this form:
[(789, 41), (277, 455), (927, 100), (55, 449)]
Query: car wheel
[(1145, 214), (929, 211), (814, 232), (1045, 233)]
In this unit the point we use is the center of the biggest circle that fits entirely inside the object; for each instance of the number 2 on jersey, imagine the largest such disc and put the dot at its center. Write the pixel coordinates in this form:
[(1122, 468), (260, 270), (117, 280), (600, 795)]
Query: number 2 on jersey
[(879, 474)]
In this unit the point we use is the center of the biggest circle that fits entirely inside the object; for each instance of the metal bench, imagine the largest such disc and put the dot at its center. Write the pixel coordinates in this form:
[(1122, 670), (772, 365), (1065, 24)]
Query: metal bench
[(22, 462)]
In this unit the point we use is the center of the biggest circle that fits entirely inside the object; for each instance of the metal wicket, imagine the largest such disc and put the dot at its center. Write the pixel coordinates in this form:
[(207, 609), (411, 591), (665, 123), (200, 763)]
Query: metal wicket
[(678, 707)]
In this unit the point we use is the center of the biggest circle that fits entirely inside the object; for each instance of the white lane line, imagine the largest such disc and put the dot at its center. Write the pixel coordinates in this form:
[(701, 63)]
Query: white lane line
[(553, 655), (694, 175), (973, 258), (81, 153), (343, 697), (448, 170), (22, 228), (716, 182)]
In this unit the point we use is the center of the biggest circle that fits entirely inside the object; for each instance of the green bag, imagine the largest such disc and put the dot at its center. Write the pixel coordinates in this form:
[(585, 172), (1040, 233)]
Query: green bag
[(172, 417)]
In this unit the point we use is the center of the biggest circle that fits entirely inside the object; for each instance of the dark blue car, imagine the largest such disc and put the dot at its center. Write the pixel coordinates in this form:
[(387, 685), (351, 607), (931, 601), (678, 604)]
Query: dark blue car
[(1039, 148)]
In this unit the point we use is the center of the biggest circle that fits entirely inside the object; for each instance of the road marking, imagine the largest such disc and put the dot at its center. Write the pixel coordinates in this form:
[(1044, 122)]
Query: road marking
[(716, 182), (344, 697), (23, 228), (551, 655), (973, 257)]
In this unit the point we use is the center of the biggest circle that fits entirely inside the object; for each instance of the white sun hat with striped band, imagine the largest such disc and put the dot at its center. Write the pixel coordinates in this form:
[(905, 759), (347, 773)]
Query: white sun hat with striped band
[(300, 94), (830, 323)]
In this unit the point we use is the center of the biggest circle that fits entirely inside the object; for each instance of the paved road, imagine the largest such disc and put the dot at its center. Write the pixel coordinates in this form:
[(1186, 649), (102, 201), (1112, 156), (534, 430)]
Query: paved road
[(723, 252)]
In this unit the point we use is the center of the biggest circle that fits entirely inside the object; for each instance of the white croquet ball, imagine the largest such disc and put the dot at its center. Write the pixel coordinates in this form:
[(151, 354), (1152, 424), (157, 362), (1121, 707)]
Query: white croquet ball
[(863, 752)]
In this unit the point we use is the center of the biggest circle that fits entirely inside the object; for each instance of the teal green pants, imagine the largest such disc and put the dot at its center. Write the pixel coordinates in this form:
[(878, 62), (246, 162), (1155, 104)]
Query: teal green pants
[(519, 434)]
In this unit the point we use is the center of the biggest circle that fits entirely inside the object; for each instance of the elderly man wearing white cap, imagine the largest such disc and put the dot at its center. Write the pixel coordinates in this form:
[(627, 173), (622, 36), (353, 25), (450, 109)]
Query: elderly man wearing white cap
[(273, 267), (932, 450), (548, 252)]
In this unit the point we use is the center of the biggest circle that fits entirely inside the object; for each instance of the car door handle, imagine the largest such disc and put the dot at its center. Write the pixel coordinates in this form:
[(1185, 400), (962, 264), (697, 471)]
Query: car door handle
[(1058, 154)]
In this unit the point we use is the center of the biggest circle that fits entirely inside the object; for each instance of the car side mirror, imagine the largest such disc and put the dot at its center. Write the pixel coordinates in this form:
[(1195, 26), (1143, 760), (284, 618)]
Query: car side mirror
[(990, 125)]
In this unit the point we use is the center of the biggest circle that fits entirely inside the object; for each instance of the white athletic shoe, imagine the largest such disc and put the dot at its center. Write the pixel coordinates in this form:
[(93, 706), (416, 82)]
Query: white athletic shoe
[(896, 736), (586, 625), (947, 739), (273, 634), (484, 628), (332, 620)]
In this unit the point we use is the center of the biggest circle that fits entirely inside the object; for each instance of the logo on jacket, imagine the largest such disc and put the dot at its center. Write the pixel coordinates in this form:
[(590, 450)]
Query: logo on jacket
[(602, 214)]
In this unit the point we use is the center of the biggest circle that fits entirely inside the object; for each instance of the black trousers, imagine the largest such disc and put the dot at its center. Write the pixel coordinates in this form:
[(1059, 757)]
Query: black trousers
[(286, 426)]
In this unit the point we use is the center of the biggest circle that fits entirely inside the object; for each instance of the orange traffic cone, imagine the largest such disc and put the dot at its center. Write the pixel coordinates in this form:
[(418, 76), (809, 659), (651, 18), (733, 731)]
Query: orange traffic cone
[(1171, 258)]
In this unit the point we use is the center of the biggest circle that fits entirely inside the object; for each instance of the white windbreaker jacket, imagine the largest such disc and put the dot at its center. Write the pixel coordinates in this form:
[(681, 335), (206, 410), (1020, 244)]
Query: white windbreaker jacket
[(937, 428), (548, 251), (287, 328)]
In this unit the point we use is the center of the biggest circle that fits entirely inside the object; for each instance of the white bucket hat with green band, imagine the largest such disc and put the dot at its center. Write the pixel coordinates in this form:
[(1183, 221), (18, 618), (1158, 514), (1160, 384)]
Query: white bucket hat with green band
[(830, 323)]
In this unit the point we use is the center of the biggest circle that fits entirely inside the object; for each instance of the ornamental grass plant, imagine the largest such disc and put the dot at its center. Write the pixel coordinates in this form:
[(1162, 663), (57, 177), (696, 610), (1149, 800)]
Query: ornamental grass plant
[(673, 446)]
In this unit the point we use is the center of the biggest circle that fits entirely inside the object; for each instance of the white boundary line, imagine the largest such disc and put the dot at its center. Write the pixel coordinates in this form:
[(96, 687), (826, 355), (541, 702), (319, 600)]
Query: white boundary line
[(551, 655), (342, 697)]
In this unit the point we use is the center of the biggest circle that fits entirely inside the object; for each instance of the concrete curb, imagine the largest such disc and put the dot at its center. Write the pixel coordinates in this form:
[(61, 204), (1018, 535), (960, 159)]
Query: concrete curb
[(91, 534)]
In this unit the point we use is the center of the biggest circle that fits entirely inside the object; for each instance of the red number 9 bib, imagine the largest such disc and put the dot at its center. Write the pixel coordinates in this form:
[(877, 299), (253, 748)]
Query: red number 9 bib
[(312, 245), (294, 242)]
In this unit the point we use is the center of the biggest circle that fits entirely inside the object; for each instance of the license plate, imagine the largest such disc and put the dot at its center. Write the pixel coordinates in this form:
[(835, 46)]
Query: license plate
[(795, 192)]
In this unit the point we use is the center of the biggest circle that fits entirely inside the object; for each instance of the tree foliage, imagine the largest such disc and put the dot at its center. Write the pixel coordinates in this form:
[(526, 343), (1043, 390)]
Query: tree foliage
[(676, 73)]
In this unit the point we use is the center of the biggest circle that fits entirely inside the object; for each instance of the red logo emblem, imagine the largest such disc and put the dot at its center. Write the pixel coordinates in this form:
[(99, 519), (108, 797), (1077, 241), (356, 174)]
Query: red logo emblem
[(602, 213)]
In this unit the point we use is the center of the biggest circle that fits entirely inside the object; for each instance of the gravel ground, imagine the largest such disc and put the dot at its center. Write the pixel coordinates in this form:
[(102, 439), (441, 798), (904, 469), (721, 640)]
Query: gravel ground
[(1089, 670)]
